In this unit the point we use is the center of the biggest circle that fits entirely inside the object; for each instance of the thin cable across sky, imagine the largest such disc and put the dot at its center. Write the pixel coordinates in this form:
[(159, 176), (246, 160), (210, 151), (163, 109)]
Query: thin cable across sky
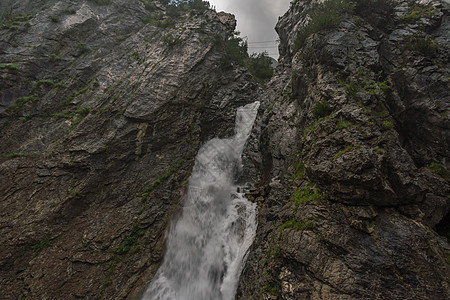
[(256, 20)]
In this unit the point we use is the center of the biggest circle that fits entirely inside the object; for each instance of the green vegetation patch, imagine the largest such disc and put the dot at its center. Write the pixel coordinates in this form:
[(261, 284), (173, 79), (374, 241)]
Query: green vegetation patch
[(428, 47), (379, 87), (299, 171), (296, 225), (54, 58), (362, 82), (177, 7), (171, 41), (439, 169), (161, 179), (322, 109), (101, 2), (129, 241), (122, 249), (20, 102), (419, 11), (149, 5), (54, 19), (74, 94), (342, 152), (13, 21), (447, 256), (174, 9), (36, 248), (306, 194), (14, 155), (312, 127), (159, 20), (49, 83), (9, 66), (69, 11), (383, 114), (324, 16), (234, 50), (83, 48), (27, 117), (379, 151), (75, 115), (387, 125), (343, 125), (372, 9), (352, 89), (260, 66), (271, 289)]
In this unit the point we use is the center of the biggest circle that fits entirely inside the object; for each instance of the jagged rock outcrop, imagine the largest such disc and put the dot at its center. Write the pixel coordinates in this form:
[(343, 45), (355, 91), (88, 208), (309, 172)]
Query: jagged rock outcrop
[(103, 108), (354, 145)]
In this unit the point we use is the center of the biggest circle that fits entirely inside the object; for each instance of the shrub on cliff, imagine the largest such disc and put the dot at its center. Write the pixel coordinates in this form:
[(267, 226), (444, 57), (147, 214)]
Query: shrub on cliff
[(149, 5), (234, 51), (323, 16), (9, 66), (367, 7), (322, 109), (11, 21), (176, 7), (101, 2), (199, 5), (378, 13), (428, 47), (419, 11), (260, 66), (83, 48)]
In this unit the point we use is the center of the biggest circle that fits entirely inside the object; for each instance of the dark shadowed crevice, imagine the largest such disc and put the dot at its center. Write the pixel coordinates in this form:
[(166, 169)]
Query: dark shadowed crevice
[(443, 227)]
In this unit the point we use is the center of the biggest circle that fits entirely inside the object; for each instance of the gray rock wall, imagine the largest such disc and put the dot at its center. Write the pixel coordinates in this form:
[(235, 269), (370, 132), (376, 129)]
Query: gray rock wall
[(354, 146), (103, 108)]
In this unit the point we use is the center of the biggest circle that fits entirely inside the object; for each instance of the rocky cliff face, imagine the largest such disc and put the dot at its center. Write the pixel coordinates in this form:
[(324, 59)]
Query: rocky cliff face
[(104, 105), (103, 108), (354, 141)]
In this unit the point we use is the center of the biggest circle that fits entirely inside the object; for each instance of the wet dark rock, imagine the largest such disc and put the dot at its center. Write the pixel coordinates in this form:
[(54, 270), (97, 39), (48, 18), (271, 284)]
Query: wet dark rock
[(372, 229), (95, 163)]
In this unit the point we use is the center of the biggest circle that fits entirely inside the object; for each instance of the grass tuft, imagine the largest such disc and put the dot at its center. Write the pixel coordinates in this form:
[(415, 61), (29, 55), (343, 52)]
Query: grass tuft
[(322, 109), (161, 179), (439, 169), (9, 66), (306, 194)]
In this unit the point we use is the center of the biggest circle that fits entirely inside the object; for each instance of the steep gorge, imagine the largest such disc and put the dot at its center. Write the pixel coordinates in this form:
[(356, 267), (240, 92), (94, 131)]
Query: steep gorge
[(105, 104)]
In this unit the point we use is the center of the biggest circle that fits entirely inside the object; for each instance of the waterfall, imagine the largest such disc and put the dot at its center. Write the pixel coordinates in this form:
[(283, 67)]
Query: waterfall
[(207, 246)]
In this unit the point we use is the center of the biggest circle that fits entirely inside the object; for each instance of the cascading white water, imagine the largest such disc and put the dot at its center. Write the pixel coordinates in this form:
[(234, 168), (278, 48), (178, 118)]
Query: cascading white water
[(207, 246)]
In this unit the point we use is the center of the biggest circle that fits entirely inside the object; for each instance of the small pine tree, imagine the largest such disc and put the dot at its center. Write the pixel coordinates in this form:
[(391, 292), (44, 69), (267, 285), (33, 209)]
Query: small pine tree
[(260, 66)]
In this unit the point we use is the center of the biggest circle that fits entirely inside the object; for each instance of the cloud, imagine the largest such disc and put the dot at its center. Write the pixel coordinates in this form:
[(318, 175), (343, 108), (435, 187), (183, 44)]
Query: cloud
[(256, 20)]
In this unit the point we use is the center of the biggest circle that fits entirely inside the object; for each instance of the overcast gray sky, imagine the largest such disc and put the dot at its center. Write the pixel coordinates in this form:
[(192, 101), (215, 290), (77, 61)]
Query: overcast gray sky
[(256, 20)]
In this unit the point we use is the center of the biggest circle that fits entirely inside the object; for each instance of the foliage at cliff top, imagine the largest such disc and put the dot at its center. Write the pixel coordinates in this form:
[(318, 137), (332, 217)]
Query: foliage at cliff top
[(260, 66), (324, 16), (175, 7), (234, 51), (329, 14)]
